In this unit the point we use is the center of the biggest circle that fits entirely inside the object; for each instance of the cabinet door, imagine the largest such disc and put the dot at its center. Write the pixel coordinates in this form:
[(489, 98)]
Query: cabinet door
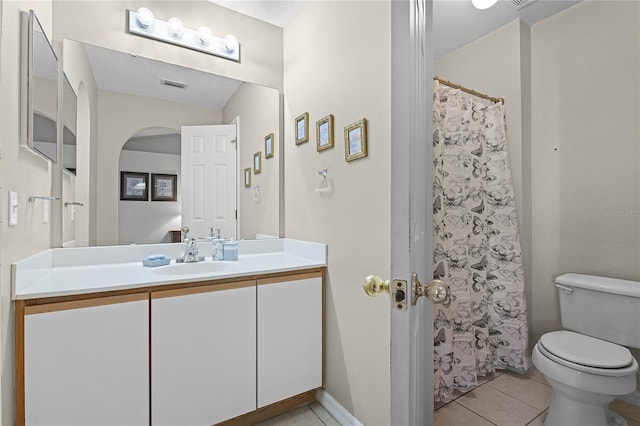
[(290, 336), (203, 354), (87, 362)]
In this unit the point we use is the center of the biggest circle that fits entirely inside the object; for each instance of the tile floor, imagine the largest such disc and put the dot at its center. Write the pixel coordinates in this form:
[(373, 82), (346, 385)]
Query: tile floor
[(510, 399), (307, 415), (502, 399)]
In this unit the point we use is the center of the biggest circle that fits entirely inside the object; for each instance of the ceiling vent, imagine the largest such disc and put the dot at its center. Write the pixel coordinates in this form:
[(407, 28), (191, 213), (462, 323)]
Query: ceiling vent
[(522, 3), (172, 83)]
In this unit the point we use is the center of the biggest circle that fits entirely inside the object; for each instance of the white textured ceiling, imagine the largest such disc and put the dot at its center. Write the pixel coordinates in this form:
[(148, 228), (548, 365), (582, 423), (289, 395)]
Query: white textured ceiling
[(125, 73), (276, 12)]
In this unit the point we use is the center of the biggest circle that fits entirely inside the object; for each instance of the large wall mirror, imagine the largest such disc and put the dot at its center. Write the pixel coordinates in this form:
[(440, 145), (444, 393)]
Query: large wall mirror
[(140, 107), (39, 89)]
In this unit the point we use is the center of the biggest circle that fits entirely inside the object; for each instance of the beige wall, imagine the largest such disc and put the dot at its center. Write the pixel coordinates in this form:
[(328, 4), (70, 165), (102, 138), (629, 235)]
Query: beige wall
[(78, 71), (259, 110), (120, 116), (337, 61), (102, 23), (23, 172), (585, 148)]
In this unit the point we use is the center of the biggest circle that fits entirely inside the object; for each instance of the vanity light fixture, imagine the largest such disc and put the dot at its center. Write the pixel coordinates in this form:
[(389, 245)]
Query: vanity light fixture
[(142, 22), (483, 4)]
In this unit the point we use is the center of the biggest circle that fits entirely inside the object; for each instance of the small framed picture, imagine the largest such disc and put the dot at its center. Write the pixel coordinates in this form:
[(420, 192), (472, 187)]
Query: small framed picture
[(324, 133), (268, 145), (355, 140), (134, 186), (257, 163), (164, 187), (302, 128), (247, 177)]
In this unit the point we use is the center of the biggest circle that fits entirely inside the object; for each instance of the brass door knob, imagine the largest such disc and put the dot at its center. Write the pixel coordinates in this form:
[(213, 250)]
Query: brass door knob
[(373, 285), (435, 290)]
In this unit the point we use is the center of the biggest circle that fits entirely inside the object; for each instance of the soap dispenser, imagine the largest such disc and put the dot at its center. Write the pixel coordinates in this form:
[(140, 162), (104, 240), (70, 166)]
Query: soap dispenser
[(218, 244)]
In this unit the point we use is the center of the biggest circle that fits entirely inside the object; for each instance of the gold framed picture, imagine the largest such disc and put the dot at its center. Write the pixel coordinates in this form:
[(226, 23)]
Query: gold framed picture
[(355, 140), (257, 163), (247, 177), (302, 128), (268, 145), (324, 133)]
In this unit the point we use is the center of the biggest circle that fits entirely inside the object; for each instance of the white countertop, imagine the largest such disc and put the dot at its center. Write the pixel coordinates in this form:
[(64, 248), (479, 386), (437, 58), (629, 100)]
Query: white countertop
[(64, 272)]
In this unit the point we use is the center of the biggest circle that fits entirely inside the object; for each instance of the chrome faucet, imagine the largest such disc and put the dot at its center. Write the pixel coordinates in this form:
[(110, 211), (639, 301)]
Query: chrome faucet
[(191, 252)]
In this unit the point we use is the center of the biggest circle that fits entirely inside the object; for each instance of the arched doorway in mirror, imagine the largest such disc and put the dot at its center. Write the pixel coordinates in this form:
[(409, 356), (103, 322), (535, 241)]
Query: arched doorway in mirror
[(146, 216)]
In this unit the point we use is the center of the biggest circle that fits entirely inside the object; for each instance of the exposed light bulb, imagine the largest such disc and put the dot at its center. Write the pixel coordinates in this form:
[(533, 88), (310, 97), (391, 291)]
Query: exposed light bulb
[(145, 17), (230, 43), (204, 35), (175, 27), (483, 4)]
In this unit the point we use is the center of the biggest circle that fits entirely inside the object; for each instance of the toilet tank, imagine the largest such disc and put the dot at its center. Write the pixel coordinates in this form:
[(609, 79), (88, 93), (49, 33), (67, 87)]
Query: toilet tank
[(606, 308)]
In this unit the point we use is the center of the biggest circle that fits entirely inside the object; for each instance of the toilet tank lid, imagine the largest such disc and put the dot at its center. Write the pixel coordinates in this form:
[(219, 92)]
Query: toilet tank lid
[(604, 284)]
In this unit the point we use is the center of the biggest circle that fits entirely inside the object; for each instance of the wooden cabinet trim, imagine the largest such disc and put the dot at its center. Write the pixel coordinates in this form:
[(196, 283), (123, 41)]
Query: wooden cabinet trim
[(86, 303), (290, 277), (19, 363), (201, 289)]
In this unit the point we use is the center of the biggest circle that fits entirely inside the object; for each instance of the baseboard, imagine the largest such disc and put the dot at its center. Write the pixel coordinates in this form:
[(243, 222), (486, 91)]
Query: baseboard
[(337, 411), (632, 398)]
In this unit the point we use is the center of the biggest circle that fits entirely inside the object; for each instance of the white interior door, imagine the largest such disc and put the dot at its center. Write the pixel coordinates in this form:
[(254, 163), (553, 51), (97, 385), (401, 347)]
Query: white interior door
[(209, 179), (411, 209)]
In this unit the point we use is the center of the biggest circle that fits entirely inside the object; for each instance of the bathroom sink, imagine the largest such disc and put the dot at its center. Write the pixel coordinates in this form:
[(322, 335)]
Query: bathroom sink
[(193, 268)]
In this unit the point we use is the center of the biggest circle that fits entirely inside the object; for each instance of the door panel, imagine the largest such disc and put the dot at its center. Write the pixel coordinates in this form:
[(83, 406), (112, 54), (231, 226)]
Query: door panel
[(209, 179), (411, 218)]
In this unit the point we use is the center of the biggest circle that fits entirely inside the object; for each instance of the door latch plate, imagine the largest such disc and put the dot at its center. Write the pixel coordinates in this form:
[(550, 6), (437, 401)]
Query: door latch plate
[(399, 294)]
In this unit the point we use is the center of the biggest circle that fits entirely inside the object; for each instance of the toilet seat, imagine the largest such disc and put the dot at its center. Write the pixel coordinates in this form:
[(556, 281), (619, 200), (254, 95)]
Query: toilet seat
[(588, 354)]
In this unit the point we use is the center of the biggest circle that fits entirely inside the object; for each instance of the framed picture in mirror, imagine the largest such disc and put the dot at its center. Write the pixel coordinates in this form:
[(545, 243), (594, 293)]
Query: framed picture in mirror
[(302, 128), (134, 186), (268, 146), (247, 177), (355, 140), (257, 163), (324, 133), (164, 187)]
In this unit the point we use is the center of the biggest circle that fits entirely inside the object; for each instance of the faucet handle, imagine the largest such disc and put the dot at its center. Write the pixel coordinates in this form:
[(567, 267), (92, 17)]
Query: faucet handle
[(214, 233)]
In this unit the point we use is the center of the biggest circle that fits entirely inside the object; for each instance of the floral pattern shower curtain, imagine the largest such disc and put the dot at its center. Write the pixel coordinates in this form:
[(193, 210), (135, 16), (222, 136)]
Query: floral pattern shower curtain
[(483, 324)]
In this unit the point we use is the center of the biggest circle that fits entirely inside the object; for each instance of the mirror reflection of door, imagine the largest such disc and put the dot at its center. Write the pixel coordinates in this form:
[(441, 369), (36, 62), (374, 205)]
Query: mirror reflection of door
[(209, 180), (153, 150)]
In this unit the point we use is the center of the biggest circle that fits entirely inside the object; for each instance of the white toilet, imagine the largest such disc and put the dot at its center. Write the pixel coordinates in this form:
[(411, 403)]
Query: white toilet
[(587, 367)]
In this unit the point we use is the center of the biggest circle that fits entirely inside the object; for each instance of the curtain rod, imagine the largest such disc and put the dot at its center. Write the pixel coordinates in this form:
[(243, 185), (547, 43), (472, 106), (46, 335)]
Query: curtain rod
[(470, 91)]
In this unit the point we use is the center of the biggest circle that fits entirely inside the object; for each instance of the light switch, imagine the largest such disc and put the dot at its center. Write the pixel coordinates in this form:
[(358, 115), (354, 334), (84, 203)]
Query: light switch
[(45, 211), (13, 208)]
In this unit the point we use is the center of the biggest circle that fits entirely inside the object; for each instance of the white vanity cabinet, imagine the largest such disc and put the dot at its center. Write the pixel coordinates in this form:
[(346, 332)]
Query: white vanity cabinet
[(203, 353), (230, 351), (86, 362), (290, 336)]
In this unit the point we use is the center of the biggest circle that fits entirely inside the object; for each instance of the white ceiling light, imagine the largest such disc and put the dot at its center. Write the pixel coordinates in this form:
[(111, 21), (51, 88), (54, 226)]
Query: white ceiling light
[(175, 27), (145, 17), (483, 4), (204, 35), (230, 43)]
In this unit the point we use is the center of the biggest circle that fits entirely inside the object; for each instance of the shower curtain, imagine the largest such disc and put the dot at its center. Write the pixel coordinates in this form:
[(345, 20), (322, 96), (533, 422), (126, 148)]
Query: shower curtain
[(482, 326)]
